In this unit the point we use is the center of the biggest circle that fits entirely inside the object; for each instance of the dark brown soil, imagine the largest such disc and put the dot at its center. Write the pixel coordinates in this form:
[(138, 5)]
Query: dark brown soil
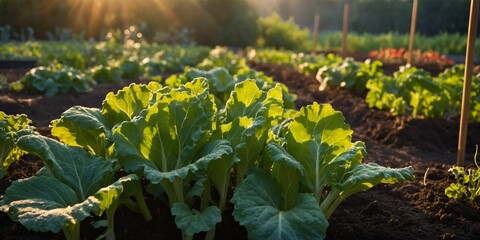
[(414, 210)]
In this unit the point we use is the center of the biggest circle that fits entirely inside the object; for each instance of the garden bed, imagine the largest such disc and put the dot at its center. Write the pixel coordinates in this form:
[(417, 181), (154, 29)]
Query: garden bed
[(415, 210)]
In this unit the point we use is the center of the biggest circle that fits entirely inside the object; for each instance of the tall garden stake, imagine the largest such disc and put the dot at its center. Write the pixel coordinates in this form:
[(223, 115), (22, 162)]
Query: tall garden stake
[(316, 22), (472, 32), (412, 31), (346, 12)]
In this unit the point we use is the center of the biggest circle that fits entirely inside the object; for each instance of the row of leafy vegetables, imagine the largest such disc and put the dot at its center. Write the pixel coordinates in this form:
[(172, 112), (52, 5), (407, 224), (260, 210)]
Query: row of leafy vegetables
[(192, 137), (408, 91)]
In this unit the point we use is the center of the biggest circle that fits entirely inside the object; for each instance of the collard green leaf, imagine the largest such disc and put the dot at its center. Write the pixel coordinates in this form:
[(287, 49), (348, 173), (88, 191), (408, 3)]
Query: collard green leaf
[(364, 176), (169, 140), (84, 127), (81, 171), (247, 100), (193, 221), (126, 103), (73, 184), (44, 203), (259, 207), (167, 136), (316, 135)]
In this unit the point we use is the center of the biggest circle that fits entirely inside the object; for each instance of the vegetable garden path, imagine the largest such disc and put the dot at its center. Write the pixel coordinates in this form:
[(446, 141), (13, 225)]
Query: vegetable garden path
[(417, 209)]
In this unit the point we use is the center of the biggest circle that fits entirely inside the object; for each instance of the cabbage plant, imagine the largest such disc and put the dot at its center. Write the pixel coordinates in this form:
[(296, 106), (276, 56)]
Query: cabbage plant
[(72, 185)]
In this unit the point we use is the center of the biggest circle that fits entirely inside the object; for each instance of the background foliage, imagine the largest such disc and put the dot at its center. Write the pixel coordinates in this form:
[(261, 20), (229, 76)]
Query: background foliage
[(225, 22)]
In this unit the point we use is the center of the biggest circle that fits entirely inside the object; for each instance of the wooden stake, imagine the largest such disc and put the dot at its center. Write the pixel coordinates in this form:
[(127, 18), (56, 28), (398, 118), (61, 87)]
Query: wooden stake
[(316, 22), (472, 32), (412, 31), (346, 12)]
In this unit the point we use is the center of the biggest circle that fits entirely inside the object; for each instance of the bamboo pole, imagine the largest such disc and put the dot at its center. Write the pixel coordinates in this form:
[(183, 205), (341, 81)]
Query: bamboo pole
[(413, 24), (316, 22), (346, 12), (472, 32)]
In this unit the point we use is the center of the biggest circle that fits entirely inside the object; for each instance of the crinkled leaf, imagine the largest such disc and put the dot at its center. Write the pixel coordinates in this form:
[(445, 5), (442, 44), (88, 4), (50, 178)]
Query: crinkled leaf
[(316, 135), (73, 166), (193, 221), (364, 176), (163, 143), (126, 103), (44, 203), (248, 100), (258, 207), (84, 127)]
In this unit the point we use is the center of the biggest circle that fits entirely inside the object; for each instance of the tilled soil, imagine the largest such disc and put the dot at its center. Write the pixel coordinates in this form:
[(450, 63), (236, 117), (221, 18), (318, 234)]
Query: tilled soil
[(417, 209)]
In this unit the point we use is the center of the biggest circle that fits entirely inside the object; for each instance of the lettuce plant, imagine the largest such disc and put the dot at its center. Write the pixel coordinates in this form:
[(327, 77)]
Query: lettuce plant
[(409, 89), (316, 152), (349, 74), (9, 125), (71, 186)]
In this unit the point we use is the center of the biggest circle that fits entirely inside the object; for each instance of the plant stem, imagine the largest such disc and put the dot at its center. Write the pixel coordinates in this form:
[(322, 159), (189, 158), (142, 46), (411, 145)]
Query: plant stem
[(132, 205), (110, 232), (211, 233), (141, 204), (72, 232), (327, 204)]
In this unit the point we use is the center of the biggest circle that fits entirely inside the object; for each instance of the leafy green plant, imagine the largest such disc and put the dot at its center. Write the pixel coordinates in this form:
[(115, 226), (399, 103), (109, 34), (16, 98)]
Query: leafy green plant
[(54, 79), (349, 74), (106, 74), (410, 89), (71, 186), (304, 63), (315, 152), (222, 57), (467, 182), (9, 125), (169, 144)]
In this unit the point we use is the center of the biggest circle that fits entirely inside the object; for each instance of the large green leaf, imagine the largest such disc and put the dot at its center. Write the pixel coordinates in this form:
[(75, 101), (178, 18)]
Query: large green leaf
[(316, 135), (84, 127), (259, 207), (364, 176), (44, 203), (167, 136), (126, 103), (81, 171), (247, 100)]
